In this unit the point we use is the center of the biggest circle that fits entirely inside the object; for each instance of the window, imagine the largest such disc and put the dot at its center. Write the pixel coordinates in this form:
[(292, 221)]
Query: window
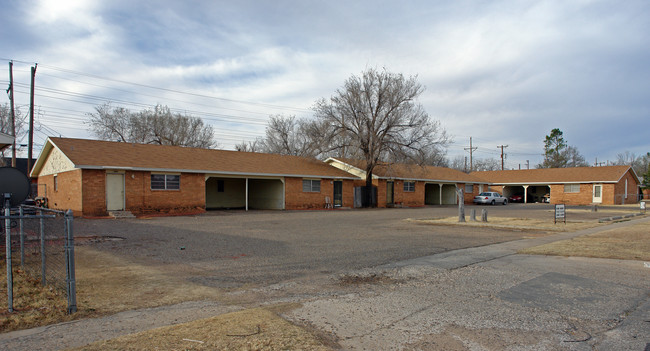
[(311, 185), (220, 186), (409, 187), (469, 188), (626, 188), (571, 188), (56, 182), (165, 182)]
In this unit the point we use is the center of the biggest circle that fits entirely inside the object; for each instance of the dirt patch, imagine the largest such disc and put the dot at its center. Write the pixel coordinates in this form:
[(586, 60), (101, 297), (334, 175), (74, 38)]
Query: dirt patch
[(359, 279), (254, 329), (512, 223), (629, 243), (107, 284)]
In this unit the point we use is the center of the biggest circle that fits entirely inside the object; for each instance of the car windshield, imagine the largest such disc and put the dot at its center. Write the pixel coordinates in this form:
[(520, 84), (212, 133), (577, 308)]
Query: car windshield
[(485, 194)]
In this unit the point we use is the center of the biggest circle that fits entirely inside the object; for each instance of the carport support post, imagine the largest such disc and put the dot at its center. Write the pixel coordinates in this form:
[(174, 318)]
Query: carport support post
[(440, 193), (525, 193), (246, 194)]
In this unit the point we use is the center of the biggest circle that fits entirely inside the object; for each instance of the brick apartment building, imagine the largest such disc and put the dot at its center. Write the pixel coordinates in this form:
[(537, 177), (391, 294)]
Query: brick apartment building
[(413, 185), (608, 185), (94, 177)]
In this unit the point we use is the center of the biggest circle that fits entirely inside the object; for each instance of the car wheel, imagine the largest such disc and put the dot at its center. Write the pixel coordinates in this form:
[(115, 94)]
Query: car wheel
[(492, 203), (505, 202)]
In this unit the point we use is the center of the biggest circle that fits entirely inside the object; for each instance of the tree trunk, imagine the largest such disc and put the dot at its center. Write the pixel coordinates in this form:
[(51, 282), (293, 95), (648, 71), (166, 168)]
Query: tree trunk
[(369, 202), (461, 205)]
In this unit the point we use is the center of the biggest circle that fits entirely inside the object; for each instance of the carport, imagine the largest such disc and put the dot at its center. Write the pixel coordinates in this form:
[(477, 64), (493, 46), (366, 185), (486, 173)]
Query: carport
[(531, 193), (440, 194), (222, 192)]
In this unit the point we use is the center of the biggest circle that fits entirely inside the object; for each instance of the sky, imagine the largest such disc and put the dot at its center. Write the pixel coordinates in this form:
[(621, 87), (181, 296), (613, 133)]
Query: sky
[(500, 72)]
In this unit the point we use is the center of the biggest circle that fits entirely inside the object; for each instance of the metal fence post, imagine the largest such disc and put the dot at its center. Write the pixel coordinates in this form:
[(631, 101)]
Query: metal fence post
[(70, 268), (43, 263), (10, 278), (21, 211)]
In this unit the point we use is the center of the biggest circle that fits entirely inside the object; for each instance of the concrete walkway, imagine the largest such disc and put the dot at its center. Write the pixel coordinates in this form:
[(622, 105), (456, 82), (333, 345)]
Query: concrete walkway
[(465, 257)]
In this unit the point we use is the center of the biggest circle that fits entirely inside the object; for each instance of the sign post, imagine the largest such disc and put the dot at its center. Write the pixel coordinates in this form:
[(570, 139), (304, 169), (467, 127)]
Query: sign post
[(642, 206), (560, 213)]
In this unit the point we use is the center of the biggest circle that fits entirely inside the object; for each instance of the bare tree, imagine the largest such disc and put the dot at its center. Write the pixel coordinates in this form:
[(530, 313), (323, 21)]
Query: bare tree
[(375, 117), (155, 126), (6, 127), (487, 164), (480, 164), (639, 164), (574, 158), (288, 135), (251, 146)]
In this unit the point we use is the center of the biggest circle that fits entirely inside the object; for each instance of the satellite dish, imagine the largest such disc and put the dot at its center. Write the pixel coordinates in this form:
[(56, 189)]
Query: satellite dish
[(14, 182)]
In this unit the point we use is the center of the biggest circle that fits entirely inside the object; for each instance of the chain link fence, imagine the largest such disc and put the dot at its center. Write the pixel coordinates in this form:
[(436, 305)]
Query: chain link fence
[(43, 240)]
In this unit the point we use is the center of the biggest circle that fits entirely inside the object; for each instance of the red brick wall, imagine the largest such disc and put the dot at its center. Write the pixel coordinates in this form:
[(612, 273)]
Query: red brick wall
[(632, 189), (94, 192), (584, 197), (68, 193), (296, 199), (410, 199), (138, 194)]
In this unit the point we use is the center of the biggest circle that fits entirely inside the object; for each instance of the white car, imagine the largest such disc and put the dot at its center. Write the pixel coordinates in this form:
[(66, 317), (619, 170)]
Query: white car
[(490, 198)]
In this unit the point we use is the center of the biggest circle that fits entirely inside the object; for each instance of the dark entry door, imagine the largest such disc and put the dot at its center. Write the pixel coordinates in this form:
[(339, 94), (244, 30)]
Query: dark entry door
[(390, 188), (338, 193)]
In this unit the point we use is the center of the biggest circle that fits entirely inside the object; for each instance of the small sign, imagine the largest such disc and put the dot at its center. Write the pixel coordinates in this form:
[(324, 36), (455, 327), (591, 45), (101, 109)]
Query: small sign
[(642, 206), (560, 213)]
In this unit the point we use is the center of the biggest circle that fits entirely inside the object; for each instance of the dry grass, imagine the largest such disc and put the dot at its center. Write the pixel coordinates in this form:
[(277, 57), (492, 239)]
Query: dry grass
[(254, 329), (628, 243), (34, 305), (106, 284), (514, 223), (109, 284)]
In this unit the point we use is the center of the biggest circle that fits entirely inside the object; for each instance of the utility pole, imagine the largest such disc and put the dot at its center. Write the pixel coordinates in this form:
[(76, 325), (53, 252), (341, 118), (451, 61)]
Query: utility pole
[(471, 150), (31, 121), (527, 164), (502, 147), (13, 116)]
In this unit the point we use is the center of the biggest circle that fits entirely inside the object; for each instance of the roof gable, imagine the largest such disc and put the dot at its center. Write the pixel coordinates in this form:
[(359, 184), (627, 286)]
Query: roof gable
[(97, 154), (409, 171)]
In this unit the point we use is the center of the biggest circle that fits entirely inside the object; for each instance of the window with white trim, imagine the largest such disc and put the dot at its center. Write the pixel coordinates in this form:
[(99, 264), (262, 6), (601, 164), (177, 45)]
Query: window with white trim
[(571, 188), (409, 187), (626, 188), (469, 188), (165, 181), (311, 185), (56, 182)]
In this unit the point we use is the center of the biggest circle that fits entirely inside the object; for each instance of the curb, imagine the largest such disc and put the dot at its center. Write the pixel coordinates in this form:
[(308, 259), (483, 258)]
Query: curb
[(616, 218)]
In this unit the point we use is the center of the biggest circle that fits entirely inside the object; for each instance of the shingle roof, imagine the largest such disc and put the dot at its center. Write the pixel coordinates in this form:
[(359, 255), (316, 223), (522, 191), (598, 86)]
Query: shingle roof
[(85, 153), (607, 174), (414, 172)]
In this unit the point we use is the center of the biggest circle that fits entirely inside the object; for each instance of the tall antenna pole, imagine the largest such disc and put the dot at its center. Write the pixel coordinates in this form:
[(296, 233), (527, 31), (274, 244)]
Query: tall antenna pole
[(31, 122), (502, 147), (13, 116), (471, 150)]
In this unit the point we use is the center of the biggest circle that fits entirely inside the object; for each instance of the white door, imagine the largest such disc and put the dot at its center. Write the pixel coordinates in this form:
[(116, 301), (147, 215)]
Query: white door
[(598, 193), (114, 192)]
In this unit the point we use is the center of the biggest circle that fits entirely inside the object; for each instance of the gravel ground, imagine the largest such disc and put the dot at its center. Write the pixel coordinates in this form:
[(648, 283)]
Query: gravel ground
[(395, 297), (232, 249)]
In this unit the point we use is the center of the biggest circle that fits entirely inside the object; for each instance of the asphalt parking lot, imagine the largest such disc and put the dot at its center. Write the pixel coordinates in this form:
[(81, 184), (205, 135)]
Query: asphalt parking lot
[(230, 249)]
